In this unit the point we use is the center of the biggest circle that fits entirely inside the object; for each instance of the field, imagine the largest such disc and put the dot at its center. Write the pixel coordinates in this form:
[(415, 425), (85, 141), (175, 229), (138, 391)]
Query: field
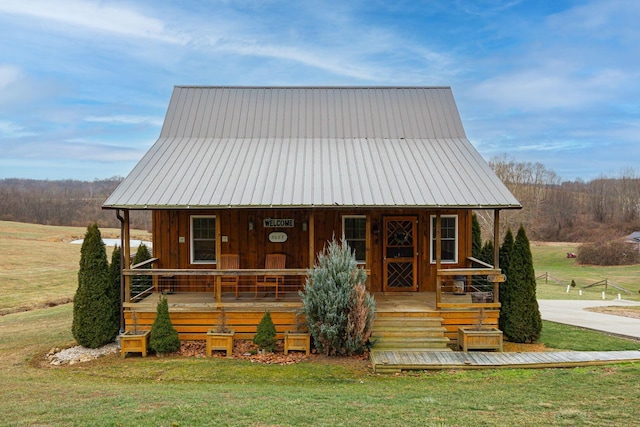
[(552, 258), (183, 391)]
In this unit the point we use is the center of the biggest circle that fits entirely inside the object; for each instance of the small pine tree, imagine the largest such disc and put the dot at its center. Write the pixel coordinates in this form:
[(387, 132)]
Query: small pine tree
[(94, 323), (522, 323), (265, 337), (164, 337), (476, 237), (114, 281), (338, 308), (141, 283), (506, 253), (486, 254)]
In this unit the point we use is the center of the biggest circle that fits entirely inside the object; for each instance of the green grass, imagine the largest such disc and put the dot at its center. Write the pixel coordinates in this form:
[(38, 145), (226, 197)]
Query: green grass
[(197, 391), (552, 259), (558, 336), (38, 266)]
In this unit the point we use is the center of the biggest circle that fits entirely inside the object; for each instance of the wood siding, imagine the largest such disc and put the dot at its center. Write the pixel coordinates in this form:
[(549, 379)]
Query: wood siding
[(172, 240)]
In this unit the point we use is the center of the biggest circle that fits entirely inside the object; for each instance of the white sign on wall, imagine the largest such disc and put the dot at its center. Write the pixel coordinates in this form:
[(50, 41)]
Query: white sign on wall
[(277, 223), (278, 237)]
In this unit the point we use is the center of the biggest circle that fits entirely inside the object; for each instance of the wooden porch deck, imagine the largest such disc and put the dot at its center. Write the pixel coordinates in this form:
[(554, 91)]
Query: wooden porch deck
[(194, 313), (384, 361)]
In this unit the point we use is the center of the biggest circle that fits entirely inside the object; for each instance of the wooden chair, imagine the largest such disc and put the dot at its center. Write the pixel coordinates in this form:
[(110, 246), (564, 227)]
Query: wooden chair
[(230, 262), (272, 262)]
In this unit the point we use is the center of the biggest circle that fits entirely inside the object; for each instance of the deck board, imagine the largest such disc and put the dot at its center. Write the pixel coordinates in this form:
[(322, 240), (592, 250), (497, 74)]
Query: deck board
[(394, 361)]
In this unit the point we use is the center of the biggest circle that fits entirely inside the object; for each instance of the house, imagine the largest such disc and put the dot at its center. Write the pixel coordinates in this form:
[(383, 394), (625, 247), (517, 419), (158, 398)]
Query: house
[(253, 171)]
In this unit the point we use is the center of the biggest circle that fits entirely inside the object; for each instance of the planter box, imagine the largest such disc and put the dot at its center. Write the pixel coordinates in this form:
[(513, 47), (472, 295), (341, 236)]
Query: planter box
[(222, 341), (297, 341), (470, 338), (134, 342)]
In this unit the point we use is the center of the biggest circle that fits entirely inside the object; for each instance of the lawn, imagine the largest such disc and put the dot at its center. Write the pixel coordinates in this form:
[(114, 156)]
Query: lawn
[(198, 391), (39, 266), (552, 259), (183, 391)]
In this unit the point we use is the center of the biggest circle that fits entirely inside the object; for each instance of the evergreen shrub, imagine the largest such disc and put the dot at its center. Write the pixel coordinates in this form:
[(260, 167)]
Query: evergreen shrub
[(95, 321), (338, 308), (522, 321), (265, 337), (164, 337), (141, 283), (114, 282)]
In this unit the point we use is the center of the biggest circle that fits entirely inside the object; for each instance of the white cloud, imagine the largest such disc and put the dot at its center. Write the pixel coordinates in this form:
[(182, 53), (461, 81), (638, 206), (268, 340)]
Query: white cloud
[(13, 130), (96, 16), (8, 75), (129, 120)]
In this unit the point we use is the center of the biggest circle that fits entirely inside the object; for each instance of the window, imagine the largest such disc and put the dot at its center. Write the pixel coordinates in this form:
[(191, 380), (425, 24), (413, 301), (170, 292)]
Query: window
[(449, 238), (354, 228), (203, 239)]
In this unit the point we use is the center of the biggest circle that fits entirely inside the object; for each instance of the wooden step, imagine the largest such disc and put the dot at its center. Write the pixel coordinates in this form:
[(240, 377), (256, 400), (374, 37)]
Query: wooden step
[(411, 332), (407, 322), (402, 332), (412, 343)]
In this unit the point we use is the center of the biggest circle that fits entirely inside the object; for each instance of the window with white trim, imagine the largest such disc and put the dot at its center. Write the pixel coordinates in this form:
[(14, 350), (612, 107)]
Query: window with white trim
[(203, 239), (448, 239), (354, 228)]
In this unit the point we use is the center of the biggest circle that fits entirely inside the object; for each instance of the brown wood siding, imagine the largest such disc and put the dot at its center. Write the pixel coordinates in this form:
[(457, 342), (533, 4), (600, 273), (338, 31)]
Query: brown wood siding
[(253, 245)]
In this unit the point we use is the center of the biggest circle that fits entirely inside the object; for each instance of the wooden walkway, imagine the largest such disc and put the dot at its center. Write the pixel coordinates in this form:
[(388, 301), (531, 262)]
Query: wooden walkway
[(390, 361)]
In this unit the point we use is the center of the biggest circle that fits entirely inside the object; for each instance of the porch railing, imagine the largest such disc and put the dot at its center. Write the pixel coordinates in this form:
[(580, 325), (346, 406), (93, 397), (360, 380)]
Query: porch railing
[(165, 279), (482, 283)]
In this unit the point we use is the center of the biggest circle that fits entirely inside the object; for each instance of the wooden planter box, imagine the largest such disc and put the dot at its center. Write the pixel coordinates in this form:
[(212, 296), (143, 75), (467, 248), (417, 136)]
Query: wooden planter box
[(131, 342), (222, 341), (470, 338), (297, 341)]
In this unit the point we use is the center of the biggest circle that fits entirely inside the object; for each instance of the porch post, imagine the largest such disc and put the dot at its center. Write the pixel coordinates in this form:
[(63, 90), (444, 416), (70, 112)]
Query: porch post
[(126, 253), (312, 239), (496, 251), (218, 253), (438, 259)]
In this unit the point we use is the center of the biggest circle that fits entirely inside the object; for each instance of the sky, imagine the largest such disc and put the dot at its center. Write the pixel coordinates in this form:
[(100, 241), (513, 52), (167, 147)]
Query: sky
[(84, 85)]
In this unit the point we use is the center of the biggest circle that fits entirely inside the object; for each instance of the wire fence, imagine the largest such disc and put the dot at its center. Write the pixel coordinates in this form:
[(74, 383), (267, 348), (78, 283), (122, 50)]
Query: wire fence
[(606, 283)]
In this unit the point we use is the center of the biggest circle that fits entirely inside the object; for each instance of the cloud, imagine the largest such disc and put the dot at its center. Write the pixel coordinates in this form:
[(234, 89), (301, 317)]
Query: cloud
[(129, 120), (8, 75), (95, 16), (13, 130)]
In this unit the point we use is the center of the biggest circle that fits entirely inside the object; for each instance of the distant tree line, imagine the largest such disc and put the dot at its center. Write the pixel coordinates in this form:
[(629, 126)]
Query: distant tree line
[(574, 211), (553, 210), (62, 202)]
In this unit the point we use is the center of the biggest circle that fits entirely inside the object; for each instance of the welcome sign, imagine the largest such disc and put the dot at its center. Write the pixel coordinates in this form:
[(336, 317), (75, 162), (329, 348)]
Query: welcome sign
[(277, 223)]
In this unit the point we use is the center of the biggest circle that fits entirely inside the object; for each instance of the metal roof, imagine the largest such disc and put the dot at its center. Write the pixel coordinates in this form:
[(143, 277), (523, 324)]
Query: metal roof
[(317, 146)]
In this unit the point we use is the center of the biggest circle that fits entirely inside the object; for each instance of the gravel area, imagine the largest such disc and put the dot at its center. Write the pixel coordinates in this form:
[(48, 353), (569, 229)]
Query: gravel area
[(79, 354)]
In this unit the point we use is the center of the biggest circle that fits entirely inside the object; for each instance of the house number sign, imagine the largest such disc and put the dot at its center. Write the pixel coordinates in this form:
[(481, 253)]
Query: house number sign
[(278, 237), (277, 223)]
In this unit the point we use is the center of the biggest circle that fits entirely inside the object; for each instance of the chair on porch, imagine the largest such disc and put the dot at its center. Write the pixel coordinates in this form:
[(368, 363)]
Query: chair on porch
[(272, 262), (230, 262)]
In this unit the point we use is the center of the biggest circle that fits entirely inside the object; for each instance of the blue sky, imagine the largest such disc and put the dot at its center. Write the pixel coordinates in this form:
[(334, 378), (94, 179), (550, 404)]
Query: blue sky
[(84, 85)]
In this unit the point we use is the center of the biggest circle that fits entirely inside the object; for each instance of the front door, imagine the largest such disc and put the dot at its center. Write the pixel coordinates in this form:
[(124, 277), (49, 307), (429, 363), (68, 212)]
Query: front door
[(400, 253)]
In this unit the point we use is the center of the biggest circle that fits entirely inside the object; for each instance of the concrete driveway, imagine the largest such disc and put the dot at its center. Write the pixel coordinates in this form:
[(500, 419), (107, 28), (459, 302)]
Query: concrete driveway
[(572, 312)]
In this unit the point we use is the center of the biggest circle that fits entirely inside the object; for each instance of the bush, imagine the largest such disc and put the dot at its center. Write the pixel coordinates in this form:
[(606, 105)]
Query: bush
[(114, 282), (140, 283), (520, 315), (164, 337), (265, 337), (338, 308), (613, 252), (95, 318)]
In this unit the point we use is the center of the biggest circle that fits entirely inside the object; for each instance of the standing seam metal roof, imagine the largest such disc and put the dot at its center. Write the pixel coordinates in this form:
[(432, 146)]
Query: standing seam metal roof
[(297, 147)]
